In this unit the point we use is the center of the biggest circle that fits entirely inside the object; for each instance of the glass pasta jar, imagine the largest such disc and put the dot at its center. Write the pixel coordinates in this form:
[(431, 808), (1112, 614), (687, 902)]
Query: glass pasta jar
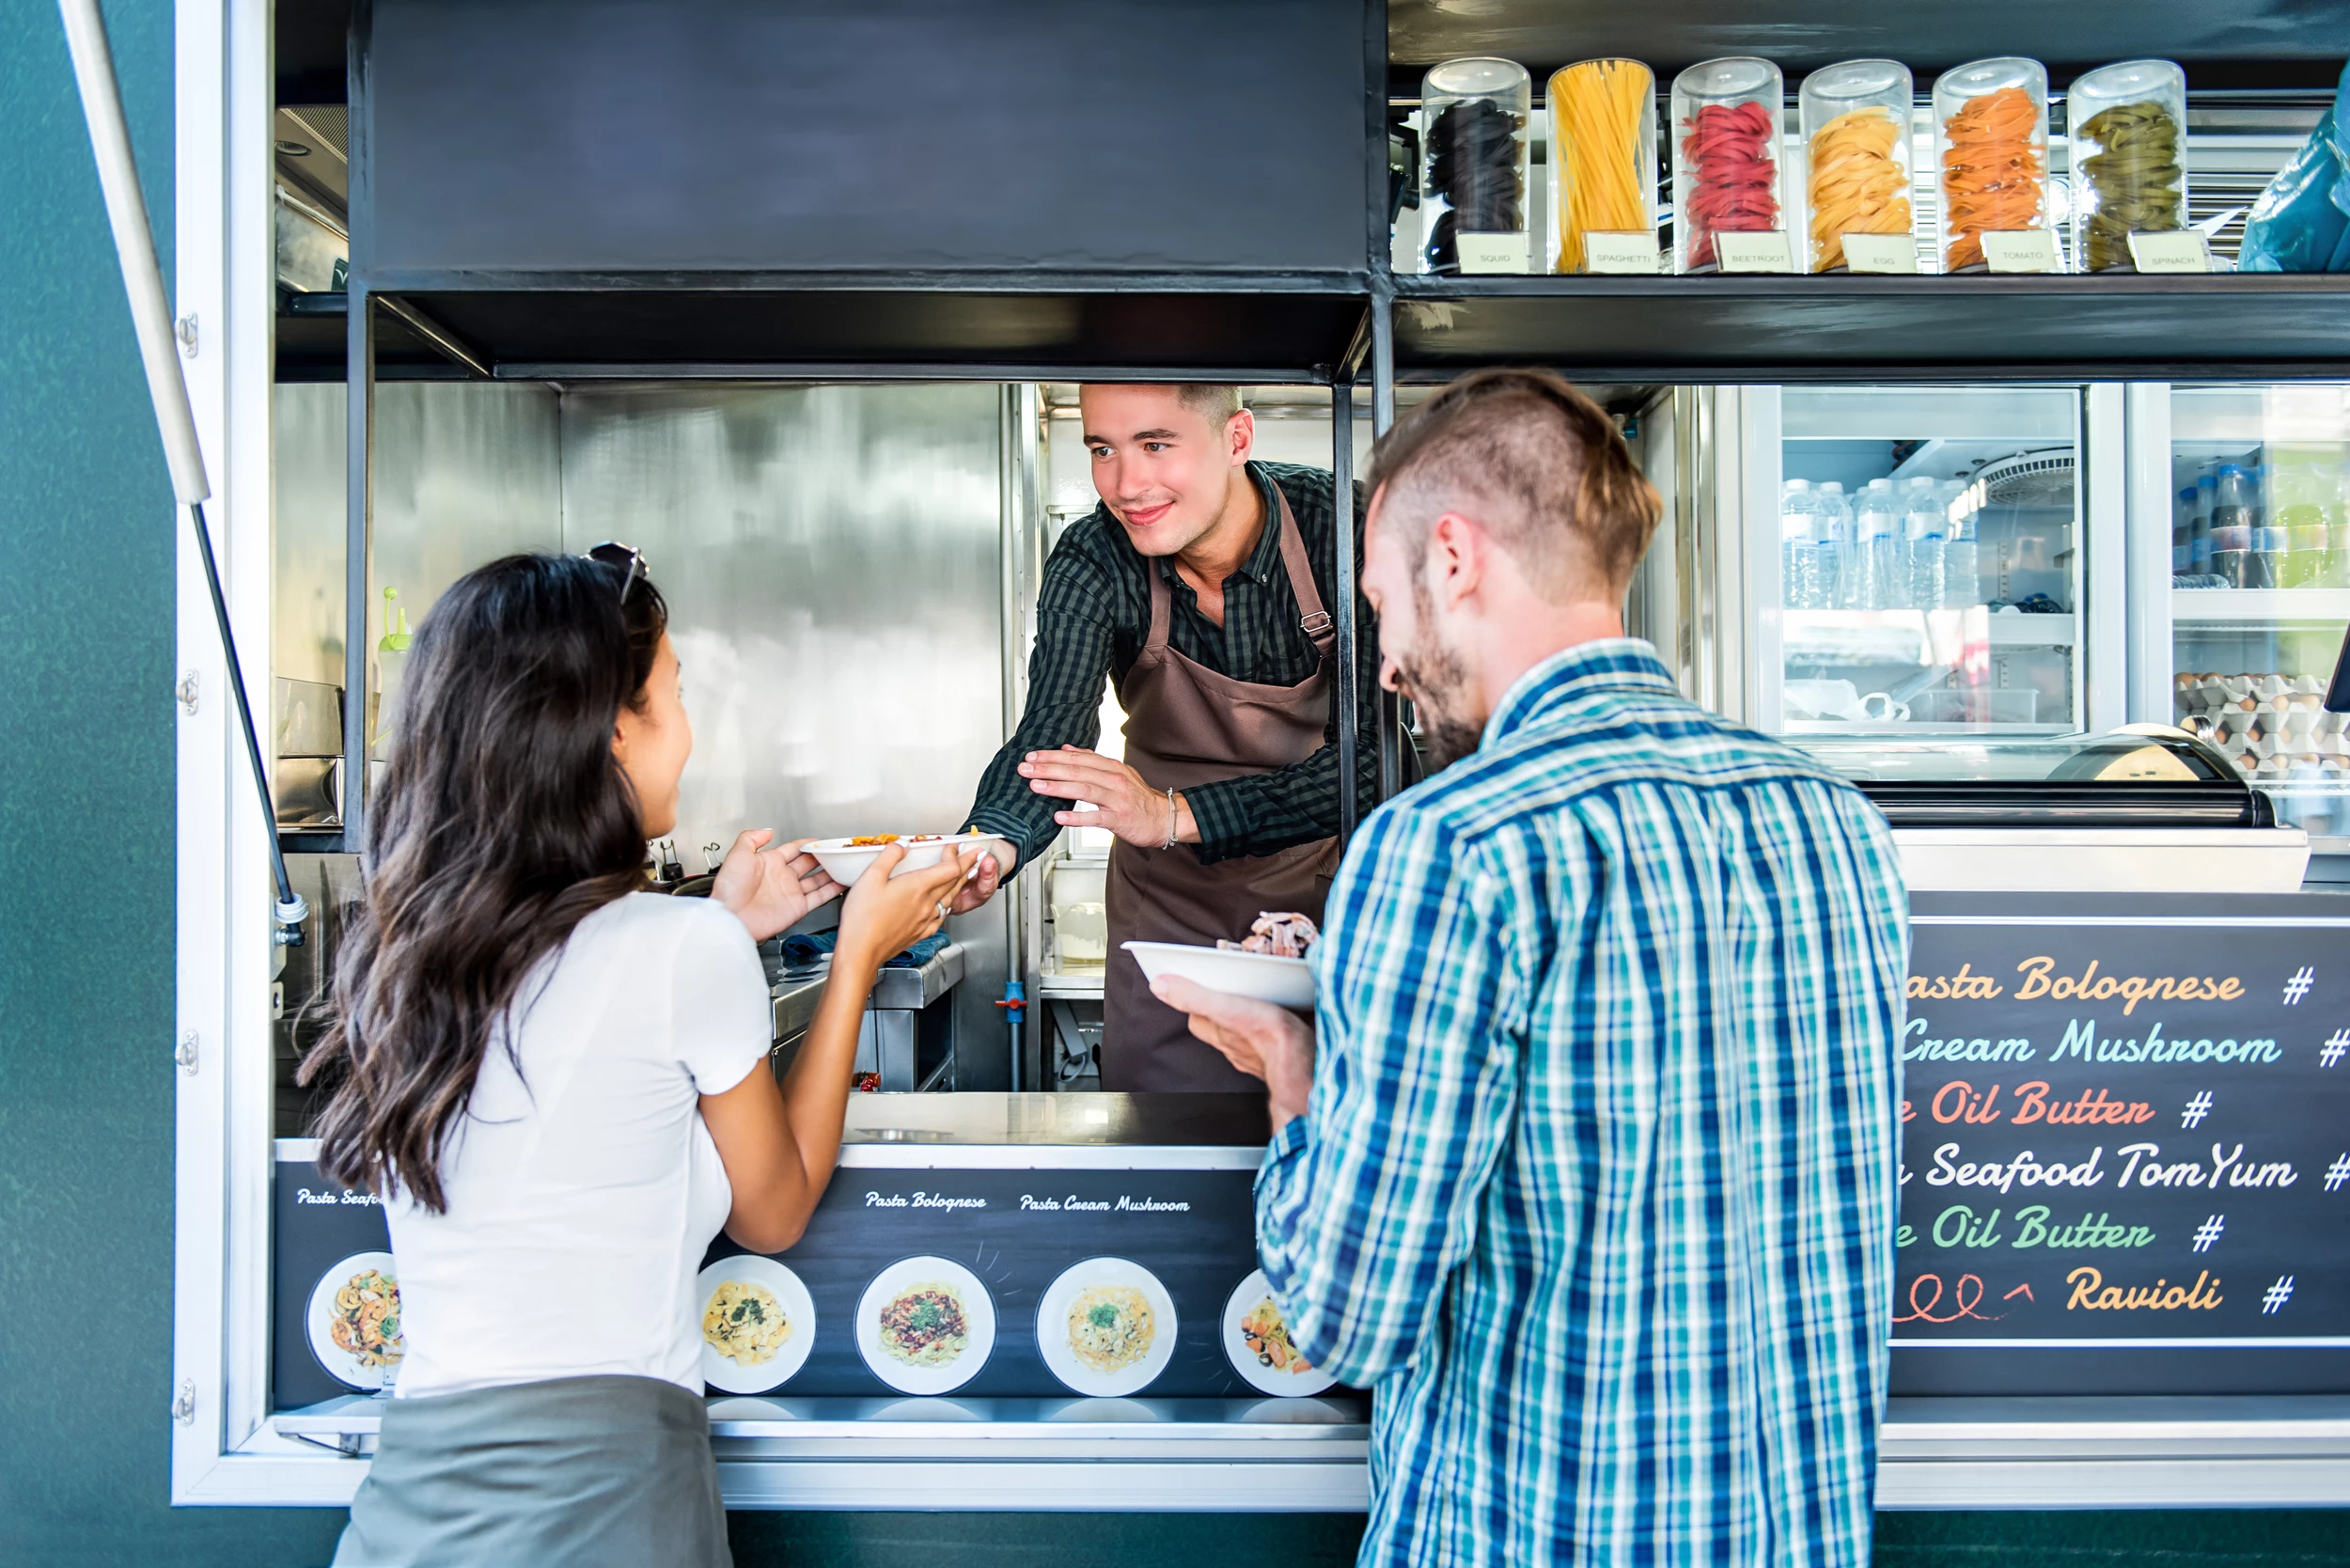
[(2129, 167), (1726, 117), (1854, 118), (1991, 142), (1602, 162), (1473, 182)]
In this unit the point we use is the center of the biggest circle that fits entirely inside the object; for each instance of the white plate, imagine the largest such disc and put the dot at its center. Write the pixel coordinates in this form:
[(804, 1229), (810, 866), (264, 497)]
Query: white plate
[(1052, 1327), (978, 1315), (1283, 981), (345, 1367), (799, 1310), (845, 862), (1289, 1385)]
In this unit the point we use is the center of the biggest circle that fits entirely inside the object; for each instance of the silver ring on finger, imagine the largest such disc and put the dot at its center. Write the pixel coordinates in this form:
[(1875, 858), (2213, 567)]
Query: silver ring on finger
[(943, 908)]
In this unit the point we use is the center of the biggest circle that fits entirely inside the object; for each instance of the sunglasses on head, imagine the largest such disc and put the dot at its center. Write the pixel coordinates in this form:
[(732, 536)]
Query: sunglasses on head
[(629, 559)]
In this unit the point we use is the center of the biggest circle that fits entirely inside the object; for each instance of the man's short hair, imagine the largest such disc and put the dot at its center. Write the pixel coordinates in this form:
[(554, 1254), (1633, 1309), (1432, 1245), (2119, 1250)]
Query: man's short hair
[(1539, 464), (1215, 404)]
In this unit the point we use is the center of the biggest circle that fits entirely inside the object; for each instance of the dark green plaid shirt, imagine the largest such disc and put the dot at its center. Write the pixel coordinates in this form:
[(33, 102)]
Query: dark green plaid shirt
[(1094, 614)]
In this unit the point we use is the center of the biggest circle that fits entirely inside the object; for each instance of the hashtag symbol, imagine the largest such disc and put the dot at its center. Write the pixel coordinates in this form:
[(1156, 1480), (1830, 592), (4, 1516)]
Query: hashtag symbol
[(2298, 986), (2196, 1111), (2337, 1173), (2208, 1231), (2334, 1048), (2278, 1294)]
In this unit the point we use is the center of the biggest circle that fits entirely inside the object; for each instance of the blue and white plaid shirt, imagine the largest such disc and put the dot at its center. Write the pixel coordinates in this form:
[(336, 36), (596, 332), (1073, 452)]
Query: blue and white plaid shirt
[(1597, 1185)]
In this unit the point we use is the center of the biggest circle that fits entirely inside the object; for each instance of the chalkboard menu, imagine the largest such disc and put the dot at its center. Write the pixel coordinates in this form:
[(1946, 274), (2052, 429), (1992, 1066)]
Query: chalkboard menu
[(2125, 1146)]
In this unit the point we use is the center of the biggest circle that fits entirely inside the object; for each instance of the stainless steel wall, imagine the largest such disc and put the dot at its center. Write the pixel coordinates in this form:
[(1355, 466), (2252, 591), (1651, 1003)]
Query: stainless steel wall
[(465, 472), (832, 557)]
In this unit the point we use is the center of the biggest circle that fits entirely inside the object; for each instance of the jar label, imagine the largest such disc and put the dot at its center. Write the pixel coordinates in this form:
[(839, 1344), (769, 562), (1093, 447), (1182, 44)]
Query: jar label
[(1633, 253), (1880, 253), (1492, 253), (2021, 250), (2184, 250), (1765, 252)]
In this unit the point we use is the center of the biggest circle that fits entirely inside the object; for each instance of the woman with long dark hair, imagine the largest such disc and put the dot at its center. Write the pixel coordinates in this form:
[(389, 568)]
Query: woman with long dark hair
[(559, 1084)]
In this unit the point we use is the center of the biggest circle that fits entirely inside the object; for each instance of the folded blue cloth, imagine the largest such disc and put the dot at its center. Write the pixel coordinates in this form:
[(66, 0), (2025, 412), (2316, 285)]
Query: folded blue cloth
[(814, 944)]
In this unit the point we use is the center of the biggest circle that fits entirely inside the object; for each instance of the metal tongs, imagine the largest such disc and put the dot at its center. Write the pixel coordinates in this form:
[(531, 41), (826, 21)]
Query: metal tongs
[(143, 280)]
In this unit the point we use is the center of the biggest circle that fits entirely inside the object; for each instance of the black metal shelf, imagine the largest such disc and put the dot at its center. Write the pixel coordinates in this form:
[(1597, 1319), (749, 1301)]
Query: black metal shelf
[(870, 326), (313, 340), (2223, 43), (1765, 328)]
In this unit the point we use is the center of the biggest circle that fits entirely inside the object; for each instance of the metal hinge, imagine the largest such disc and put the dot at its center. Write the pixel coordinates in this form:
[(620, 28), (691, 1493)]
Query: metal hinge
[(185, 329), (185, 1055), (183, 1408), (185, 691)]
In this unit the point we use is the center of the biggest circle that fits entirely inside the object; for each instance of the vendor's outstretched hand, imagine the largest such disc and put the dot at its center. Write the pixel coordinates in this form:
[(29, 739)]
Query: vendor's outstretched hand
[(1123, 803), (1263, 1040), (981, 887)]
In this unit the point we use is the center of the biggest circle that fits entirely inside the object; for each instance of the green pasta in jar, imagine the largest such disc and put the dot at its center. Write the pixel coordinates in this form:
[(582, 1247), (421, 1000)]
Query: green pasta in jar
[(2128, 160)]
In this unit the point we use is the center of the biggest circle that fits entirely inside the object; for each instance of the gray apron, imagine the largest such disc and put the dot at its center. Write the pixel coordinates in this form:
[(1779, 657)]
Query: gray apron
[(1188, 726), (575, 1472)]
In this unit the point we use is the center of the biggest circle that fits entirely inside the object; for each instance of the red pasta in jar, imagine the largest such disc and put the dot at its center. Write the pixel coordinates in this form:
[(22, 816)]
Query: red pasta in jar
[(1731, 167)]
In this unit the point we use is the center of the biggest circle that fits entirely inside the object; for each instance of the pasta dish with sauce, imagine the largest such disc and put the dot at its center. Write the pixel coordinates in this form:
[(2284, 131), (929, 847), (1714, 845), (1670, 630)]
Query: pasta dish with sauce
[(745, 1322), (1110, 1326), (924, 1325), (366, 1318)]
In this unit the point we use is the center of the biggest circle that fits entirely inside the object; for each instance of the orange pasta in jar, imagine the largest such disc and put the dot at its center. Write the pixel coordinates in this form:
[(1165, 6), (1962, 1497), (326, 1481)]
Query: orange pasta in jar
[(1992, 117)]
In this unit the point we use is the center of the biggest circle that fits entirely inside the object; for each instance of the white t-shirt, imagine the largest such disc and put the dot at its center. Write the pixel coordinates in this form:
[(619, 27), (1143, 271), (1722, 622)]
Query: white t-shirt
[(582, 1194)]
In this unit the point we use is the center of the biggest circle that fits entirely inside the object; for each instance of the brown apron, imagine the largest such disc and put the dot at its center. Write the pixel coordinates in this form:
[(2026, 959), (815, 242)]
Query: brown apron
[(1187, 726)]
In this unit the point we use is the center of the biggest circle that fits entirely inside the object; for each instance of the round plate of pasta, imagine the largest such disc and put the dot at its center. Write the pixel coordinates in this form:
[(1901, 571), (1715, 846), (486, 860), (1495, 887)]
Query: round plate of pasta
[(925, 1325), (1257, 1338), (758, 1321), (354, 1321), (1106, 1327)]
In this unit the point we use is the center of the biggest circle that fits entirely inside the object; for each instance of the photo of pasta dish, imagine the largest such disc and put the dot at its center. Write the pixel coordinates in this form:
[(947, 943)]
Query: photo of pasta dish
[(745, 1322), (1268, 1338), (1110, 1326), (366, 1321), (924, 1325)]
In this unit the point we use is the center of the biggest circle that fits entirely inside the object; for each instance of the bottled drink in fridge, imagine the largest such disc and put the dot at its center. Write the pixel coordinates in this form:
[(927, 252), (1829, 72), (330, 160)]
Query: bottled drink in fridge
[(1798, 552), (2232, 541), (1877, 526), (1925, 529), (2199, 545), (1838, 587), (1962, 564)]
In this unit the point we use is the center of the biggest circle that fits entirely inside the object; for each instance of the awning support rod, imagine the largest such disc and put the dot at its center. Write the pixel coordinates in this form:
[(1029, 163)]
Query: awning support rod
[(159, 348)]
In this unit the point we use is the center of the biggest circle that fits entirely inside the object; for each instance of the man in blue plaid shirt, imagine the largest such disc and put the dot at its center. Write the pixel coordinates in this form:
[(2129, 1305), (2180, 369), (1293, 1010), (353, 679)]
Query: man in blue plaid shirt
[(1592, 1179)]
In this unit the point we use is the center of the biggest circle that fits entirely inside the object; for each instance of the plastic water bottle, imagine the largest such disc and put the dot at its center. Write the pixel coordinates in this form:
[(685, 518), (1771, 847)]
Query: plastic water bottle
[(1962, 576), (1926, 527), (2198, 543), (1840, 583), (1798, 551), (1878, 526)]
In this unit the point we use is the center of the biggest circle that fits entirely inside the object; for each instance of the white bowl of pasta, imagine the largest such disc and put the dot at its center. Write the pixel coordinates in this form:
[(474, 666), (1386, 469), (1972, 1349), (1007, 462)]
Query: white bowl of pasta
[(354, 1321), (846, 859)]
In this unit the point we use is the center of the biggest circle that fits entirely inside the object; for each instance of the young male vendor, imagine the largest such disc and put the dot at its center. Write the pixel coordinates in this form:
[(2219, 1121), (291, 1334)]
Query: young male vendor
[(1203, 587)]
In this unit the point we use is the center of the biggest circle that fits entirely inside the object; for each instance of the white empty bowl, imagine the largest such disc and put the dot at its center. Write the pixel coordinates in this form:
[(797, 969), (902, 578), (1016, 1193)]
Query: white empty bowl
[(845, 862), (1283, 981)]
